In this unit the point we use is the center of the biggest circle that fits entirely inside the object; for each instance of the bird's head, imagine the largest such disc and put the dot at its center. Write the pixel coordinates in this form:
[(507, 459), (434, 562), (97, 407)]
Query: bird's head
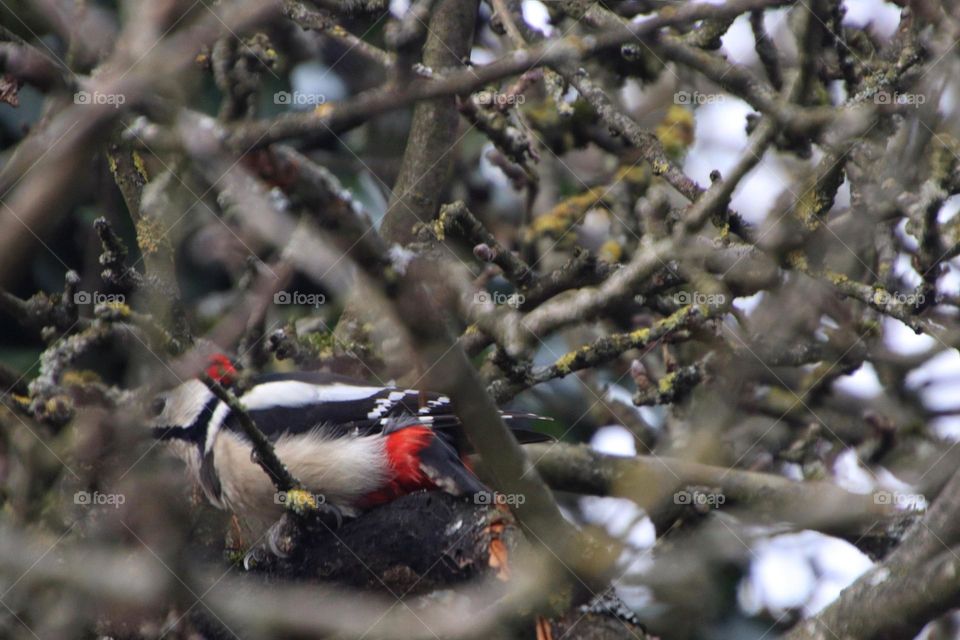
[(184, 412)]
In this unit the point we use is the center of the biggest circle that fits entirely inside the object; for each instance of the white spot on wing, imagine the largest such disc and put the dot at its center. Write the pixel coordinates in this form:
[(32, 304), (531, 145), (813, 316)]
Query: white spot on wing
[(293, 393)]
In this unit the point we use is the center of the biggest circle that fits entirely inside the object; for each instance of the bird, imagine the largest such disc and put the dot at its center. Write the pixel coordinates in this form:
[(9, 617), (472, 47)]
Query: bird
[(352, 444)]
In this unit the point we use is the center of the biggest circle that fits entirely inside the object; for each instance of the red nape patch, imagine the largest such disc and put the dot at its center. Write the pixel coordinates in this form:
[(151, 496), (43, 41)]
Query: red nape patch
[(221, 369), (403, 453)]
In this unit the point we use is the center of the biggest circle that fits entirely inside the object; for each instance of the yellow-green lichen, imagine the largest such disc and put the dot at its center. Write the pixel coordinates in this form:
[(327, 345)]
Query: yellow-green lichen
[(140, 166), (150, 236), (818, 196), (660, 167), (558, 221), (118, 309), (565, 362), (675, 131), (300, 501), (798, 260), (440, 225), (665, 384), (80, 378), (783, 400), (321, 344), (838, 279), (611, 251)]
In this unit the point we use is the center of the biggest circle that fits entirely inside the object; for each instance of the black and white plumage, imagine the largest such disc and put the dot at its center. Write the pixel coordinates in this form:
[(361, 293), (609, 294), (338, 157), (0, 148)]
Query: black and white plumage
[(354, 443)]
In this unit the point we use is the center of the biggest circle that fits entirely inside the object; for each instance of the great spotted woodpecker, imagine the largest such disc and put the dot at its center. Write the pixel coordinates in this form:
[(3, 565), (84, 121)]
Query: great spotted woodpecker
[(353, 444)]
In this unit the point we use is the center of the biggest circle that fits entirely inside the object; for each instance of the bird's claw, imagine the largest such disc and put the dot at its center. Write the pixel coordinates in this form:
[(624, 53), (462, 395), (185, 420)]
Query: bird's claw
[(284, 536), (329, 515)]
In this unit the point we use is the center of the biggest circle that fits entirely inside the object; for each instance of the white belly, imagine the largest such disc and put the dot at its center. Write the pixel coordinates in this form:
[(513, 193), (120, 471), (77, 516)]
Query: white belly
[(339, 471)]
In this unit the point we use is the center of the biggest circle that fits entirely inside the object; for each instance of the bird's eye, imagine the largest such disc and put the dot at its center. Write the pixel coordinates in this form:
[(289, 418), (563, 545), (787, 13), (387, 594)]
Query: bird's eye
[(156, 407)]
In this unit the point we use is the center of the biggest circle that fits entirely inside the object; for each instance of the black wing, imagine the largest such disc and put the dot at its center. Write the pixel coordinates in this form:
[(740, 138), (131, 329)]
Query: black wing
[(298, 402)]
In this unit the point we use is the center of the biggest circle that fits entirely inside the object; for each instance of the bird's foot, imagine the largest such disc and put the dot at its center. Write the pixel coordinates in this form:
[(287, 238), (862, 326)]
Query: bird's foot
[(286, 536)]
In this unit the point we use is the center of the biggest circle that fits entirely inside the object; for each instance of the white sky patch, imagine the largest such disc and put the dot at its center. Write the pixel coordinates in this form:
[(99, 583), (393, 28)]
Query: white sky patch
[(904, 269), (719, 140), (778, 581), (862, 383), (838, 563), (905, 497), (837, 91), (620, 517), (947, 427), (842, 199), (481, 55), (939, 377), (882, 15), (850, 474), (902, 339), (399, 8), (757, 193), (747, 304), (909, 241), (739, 43), (536, 15), (316, 80), (950, 280), (805, 570), (792, 471), (949, 209), (721, 127), (949, 99), (615, 441)]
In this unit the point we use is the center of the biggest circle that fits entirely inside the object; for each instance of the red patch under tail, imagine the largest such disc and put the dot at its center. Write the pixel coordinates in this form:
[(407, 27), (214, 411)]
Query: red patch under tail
[(403, 453)]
